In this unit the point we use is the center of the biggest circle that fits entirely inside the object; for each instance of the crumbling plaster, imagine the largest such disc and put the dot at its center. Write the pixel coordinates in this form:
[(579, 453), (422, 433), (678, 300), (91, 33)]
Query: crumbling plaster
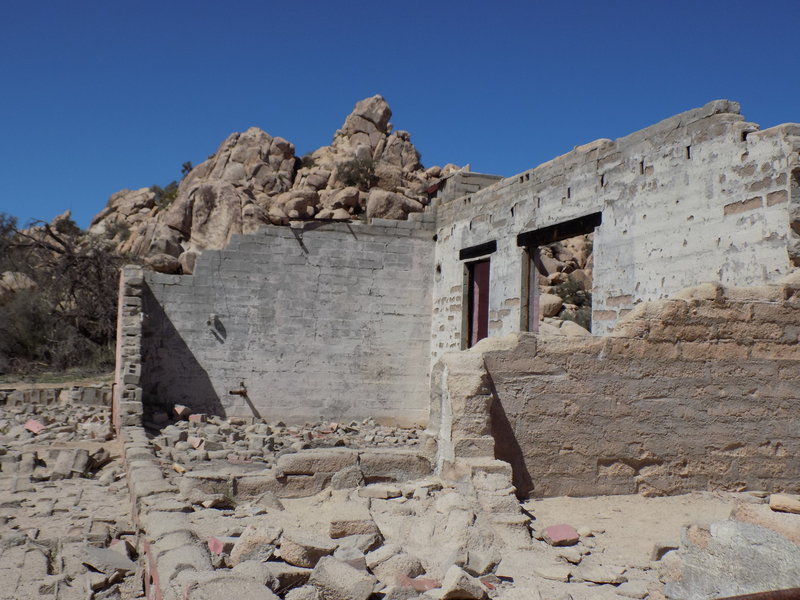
[(700, 196)]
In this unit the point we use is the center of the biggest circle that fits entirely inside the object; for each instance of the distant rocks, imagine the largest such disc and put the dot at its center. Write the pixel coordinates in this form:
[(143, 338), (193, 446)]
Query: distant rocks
[(12, 282), (255, 179)]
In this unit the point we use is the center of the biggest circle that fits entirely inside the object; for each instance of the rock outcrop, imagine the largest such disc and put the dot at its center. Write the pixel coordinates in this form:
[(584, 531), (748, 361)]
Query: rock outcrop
[(255, 179)]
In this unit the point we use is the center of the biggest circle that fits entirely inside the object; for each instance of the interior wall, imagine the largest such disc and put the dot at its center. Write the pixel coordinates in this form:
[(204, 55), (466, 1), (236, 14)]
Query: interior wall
[(328, 321)]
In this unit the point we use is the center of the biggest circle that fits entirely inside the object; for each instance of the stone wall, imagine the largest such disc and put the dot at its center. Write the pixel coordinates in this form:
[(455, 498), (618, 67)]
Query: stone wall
[(326, 321), (702, 195), (127, 397), (22, 395), (691, 393)]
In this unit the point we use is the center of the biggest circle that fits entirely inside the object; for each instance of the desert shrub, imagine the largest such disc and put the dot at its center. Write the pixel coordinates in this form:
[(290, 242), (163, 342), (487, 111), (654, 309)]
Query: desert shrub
[(118, 229), (357, 172), (308, 161), (571, 292), (69, 320), (166, 195)]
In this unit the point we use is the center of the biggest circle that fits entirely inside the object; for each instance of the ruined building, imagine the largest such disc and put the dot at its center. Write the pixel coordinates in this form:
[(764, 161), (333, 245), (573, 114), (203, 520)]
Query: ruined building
[(685, 235)]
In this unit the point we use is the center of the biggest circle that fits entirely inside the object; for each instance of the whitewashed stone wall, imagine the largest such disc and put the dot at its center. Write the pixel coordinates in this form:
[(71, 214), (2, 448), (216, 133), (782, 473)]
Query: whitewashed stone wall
[(701, 196), (328, 321)]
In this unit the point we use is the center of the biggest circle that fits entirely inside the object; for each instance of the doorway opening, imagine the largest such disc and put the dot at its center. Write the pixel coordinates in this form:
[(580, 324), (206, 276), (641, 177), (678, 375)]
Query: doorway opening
[(477, 301)]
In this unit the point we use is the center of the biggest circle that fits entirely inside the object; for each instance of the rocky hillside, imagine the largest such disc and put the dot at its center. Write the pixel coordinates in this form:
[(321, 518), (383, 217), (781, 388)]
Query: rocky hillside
[(253, 179)]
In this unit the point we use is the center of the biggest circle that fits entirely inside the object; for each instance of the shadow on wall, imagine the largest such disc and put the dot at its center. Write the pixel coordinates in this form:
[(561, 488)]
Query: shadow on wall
[(507, 448), (170, 373)]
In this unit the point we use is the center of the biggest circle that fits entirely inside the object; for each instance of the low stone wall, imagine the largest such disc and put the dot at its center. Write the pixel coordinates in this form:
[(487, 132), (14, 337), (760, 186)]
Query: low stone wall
[(692, 393), (55, 395)]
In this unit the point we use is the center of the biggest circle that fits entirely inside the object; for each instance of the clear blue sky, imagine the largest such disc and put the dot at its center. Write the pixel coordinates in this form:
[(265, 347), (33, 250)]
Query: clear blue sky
[(96, 96)]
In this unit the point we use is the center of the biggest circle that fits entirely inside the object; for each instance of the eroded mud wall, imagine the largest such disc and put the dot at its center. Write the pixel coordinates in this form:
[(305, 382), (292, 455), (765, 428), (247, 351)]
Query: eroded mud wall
[(688, 394)]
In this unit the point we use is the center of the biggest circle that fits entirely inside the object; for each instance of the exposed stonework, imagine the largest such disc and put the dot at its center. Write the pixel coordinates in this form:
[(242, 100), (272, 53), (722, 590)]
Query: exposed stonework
[(128, 390), (685, 388), (687, 393), (703, 195)]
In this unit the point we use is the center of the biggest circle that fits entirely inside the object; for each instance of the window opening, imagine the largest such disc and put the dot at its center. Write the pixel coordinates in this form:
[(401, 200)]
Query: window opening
[(558, 267)]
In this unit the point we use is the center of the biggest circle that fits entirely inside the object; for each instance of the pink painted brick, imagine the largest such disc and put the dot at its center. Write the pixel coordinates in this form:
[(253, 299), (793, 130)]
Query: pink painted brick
[(218, 545), (561, 535), (34, 426)]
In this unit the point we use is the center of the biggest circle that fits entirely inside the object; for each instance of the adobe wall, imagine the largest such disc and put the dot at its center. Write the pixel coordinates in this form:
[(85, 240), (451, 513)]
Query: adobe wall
[(693, 393), (329, 321), (702, 195)]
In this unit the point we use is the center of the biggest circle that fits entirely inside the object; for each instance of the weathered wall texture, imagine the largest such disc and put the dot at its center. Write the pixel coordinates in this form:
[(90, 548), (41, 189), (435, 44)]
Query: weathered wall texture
[(127, 397), (694, 393), (702, 195), (327, 321)]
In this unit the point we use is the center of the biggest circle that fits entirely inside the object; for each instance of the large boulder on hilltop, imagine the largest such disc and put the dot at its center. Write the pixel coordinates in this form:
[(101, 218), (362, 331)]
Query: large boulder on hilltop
[(151, 237), (125, 205), (231, 191), (255, 179), (369, 115), (389, 205)]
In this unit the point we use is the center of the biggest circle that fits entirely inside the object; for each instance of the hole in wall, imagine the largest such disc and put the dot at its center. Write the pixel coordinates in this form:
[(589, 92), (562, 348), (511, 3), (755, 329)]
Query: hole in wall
[(689, 152), (641, 167), (569, 192), (603, 180)]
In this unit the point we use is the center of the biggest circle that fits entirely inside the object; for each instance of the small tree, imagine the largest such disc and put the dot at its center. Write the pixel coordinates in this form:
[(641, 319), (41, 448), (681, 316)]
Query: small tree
[(69, 320)]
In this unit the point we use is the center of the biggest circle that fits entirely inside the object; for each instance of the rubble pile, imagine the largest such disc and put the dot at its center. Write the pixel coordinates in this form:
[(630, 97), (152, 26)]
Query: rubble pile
[(55, 415), (65, 530), (198, 438), (327, 511)]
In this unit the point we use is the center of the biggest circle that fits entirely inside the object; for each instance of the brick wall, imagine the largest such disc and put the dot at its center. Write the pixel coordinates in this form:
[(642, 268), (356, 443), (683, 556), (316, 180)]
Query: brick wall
[(328, 321)]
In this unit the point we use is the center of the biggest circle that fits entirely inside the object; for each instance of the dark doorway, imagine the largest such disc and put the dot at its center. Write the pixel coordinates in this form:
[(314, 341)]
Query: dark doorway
[(478, 301)]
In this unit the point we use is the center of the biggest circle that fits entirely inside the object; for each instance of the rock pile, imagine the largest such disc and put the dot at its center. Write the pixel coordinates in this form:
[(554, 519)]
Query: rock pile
[(565, 286), (199, 438), (756, 550), (255, 179), (65, 530), (12, 282)]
